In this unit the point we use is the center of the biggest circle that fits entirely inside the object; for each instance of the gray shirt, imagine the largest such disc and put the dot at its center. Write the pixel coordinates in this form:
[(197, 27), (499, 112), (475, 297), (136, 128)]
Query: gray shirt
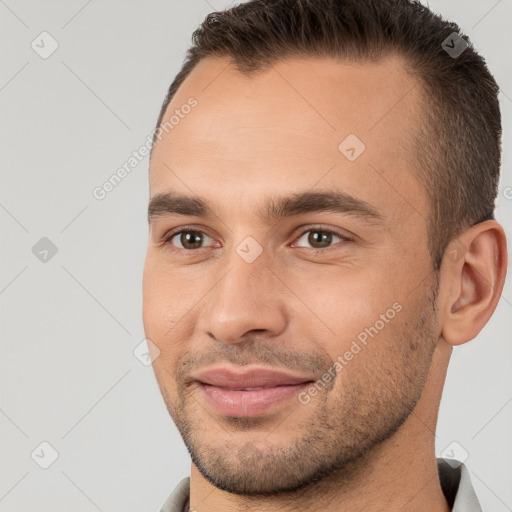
[(455, 483)]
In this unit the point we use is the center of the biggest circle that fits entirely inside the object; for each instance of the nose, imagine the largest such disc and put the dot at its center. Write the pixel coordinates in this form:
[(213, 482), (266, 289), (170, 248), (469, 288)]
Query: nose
[(247, 297)]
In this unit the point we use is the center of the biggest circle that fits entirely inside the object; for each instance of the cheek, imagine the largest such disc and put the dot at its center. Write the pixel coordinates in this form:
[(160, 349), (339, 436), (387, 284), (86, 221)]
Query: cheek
[(153, 299), (347, 302), (160, 304), (164, 293), (374, 364), (169, 304)]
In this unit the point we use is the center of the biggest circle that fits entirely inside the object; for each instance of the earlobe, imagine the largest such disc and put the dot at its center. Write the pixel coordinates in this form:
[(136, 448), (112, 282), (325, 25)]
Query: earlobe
[(473, 273)]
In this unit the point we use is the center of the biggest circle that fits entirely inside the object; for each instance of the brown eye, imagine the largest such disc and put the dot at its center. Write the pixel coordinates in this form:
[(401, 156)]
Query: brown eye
[(188, 240), (319, 238)]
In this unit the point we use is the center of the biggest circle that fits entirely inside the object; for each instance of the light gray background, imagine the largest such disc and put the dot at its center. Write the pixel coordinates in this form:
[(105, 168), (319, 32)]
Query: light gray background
[(70, 325)]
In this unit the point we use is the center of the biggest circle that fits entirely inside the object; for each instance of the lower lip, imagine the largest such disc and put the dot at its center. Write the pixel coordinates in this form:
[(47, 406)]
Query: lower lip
[(249, 403)]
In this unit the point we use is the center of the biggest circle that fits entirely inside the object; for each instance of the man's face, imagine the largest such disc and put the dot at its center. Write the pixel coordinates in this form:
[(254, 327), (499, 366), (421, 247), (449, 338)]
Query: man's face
[(329, 314)]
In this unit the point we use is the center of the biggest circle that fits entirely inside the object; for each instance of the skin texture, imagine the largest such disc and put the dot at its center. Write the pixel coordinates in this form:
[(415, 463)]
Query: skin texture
[(272, 134)]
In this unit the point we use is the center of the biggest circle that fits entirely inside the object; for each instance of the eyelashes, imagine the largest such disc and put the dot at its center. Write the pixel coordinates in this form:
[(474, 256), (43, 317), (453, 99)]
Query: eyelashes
[(330, 235), (191, 239)]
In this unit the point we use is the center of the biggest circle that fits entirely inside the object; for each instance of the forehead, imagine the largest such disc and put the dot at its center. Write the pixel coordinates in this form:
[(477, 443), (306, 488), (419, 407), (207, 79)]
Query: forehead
[(298, 123)]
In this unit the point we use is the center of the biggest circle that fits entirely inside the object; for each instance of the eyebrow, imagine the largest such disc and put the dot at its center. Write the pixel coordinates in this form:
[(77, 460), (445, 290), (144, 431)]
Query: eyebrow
[(172, 203)]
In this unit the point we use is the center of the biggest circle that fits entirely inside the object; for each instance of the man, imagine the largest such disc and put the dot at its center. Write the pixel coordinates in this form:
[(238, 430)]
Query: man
[(321, 235)]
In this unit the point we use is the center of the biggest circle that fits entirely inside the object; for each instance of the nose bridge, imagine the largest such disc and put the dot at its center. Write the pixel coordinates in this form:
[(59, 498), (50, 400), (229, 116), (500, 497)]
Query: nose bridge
[(246, 297)]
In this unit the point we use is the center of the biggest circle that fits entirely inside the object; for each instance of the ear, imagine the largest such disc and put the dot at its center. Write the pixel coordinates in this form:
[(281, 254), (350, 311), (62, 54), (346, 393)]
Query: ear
[(471, 280)]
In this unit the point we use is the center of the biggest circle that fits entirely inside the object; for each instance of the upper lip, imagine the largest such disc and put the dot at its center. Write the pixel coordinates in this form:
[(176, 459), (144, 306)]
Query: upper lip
[(222, 376)]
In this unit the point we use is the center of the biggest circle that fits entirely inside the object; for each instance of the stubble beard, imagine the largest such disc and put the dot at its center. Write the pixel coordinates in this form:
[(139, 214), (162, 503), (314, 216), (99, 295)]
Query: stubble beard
[(244, 456)]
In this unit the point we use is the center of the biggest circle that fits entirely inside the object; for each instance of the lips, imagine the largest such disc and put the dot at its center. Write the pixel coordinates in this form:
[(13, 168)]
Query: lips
[(250, 392), (249, 378)]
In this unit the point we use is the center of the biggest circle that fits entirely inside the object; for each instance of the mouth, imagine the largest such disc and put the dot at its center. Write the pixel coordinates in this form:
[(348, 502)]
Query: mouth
[(251, 392)]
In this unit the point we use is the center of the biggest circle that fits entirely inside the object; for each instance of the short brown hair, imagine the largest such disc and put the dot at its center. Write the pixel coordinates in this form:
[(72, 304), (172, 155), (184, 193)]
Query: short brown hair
[(457, 147)]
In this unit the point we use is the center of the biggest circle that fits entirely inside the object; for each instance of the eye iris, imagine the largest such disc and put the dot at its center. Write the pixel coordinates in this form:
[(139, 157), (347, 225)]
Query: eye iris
[(320, 237), (191, 239)]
